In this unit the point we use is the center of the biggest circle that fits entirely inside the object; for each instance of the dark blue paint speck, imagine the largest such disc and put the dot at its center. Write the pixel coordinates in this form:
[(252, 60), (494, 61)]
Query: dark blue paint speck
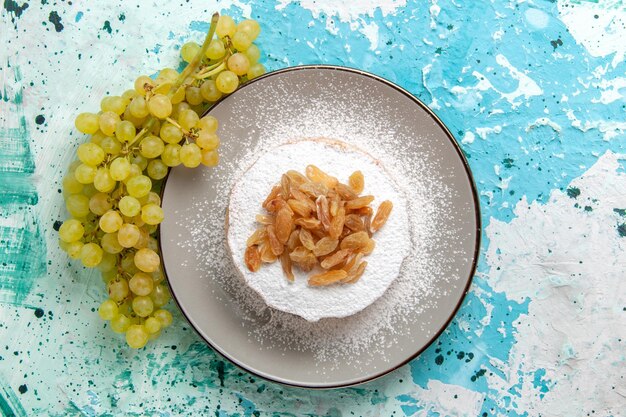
[(40, 119), (23, 389), (55, 19)]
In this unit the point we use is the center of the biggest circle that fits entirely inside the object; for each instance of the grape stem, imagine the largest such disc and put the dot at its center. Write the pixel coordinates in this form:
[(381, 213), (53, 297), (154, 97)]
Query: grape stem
[(195, 62), (219, 68), (189, 69)]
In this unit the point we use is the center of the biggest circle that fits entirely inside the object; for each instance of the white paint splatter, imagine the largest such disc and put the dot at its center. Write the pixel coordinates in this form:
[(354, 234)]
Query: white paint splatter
[(537, 18), (609, 129), (468, 138), (611, 90), (602, 35), (527, 87), (349, 12), (544, 121), (482, 132), (568, 262)]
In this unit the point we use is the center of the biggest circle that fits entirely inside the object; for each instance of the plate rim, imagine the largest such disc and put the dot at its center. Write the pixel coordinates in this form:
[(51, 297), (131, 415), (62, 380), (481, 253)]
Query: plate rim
[(477, 241)]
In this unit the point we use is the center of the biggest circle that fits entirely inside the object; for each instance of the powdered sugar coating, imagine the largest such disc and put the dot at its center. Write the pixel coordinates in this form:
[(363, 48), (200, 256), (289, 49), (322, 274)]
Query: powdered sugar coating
[(398, 322), (314, 303)]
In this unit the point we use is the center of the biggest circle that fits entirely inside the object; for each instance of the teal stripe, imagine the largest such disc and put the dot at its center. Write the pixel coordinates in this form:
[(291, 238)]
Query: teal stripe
[(10, 406)]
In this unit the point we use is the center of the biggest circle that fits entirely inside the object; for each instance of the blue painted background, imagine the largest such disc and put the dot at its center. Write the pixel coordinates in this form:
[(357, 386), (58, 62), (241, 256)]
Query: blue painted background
[(57, 359)]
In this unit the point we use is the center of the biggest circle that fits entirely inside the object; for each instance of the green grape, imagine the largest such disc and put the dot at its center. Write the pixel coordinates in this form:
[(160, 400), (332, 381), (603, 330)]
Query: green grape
[(151, 147), (107, 276), (144, 238), (137, 221), (164, 316), (84, 174), (188, 119), (138, 107), (137, 122), (215, 50), (138, 186), (134, 171), (152, 198), (153, 243), (141, 284), (110, 243), (99, 204), (108, 120), (178, 96), (128, 263), (210, 158), (71, 230), (160, 106), (143, 306), (87, 123), (189, 51), (171, 155), (108, 263), (77, 205), (111, 221), (71, 184), (253, 53), (113, 104), (157, 169), (178, 107), (89, 190), (207, 141), (241, 41), (170, 133), (225, 26), (208, 124), (74, 249), (167, 75), (108, 310), (143, 83), (249, 27), (152, 214), (128, 235), (125, 131), (160, 296), (227, 82), (91, 255), (256, 70), (111, 145), (190, 155), (128, 95), (239, 63), (103, 181), (147, 260), (90, 154), (157, 277), (97, 137), (120, 323), (152, 325), (129, 206), (140, 161), (119, 169), (209, 91), (193, 95), (118, 289), (137, 336)]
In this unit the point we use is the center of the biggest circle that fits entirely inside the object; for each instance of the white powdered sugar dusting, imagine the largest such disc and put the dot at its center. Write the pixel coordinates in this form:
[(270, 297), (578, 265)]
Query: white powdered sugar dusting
[(383, 265), (429, 210)]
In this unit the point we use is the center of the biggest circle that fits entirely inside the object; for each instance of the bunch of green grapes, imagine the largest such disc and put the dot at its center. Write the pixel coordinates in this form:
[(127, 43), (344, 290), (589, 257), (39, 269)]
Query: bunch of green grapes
[(111, 190)]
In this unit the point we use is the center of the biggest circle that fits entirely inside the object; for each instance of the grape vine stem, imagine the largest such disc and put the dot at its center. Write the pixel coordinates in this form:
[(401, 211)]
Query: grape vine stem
[(189, 69)]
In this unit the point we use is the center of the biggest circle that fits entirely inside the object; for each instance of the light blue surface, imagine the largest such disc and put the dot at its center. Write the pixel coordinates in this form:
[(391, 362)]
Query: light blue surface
[(523, 139)]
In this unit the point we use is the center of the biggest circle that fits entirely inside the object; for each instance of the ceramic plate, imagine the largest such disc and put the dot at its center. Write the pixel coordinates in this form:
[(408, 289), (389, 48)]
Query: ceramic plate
[(348, 105)]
